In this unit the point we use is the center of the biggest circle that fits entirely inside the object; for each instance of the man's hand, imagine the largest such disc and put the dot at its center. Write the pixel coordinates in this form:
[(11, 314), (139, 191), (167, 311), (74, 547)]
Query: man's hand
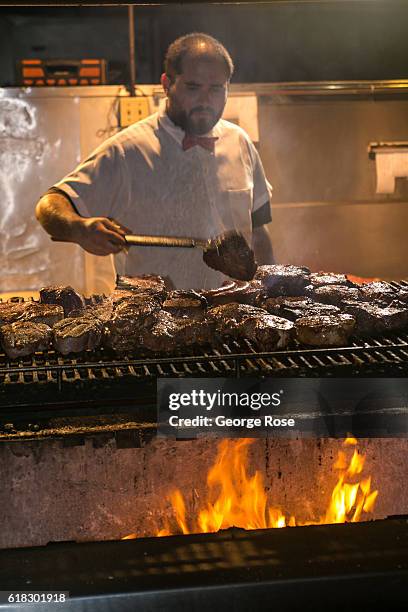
[(101, 235), (97, 235)]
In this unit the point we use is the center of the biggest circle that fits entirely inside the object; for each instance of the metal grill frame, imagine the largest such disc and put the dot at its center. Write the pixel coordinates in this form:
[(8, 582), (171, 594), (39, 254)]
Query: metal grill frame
[(234, 359), (366, 563)]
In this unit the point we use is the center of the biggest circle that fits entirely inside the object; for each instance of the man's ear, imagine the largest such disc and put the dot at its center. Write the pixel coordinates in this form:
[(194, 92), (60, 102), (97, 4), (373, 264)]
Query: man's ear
[(165, 81)]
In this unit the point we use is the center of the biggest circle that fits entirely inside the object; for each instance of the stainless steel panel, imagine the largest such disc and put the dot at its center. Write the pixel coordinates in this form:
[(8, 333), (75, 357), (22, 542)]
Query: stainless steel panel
[(39, 142), (362, 239), (317, 150), (44, 133), (326, 213)]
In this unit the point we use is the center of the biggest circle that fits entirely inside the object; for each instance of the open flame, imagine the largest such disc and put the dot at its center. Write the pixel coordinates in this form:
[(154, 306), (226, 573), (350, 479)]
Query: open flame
[(350, 499), (241, 501)]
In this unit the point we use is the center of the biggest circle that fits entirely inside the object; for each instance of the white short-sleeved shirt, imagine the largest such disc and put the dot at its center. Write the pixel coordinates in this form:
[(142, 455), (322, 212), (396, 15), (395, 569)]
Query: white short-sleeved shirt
[(142, 178)]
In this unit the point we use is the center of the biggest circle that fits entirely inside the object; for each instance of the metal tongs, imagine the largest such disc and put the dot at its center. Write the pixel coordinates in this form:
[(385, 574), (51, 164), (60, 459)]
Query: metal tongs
[(166, 241), (228, 253)]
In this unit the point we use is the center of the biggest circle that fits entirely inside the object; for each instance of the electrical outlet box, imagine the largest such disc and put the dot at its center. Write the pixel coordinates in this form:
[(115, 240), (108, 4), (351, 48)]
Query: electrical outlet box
[(133, 109)]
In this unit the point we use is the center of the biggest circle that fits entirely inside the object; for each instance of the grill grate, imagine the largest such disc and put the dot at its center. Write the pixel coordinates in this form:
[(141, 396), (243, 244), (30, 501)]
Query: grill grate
[(229, 359)]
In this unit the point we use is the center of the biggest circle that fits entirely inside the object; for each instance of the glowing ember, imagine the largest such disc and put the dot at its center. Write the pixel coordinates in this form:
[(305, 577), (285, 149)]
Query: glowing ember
[(361, 280), (241, 501)]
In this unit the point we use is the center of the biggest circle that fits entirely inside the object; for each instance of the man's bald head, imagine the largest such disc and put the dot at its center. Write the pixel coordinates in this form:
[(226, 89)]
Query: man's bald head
[(196, 46)]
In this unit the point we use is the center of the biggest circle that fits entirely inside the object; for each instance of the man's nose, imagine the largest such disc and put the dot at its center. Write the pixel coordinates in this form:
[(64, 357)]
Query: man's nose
[(205, 97)]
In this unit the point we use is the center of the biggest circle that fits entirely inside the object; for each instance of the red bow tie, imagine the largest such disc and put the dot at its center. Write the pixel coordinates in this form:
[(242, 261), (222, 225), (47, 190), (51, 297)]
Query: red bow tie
[(202, 141)]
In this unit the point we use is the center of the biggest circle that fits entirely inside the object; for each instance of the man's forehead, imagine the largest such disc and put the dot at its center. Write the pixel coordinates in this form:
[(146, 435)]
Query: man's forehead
[(208, 66)]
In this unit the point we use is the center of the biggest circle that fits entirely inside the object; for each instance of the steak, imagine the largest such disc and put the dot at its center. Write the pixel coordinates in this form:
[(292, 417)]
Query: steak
[(267, 332), (120, 295), (102, 312), (293, 308), (147, 284), (66, 297), (320, 279), (10, 311), (333, 294), (24, 338), (169, 333), (49, 314), (372, 319), (187, 303), (279, 280), (228, 316), (241, 292), (244, 321), (400, 300), (77, 334), (378, 292), (95, 299), (326, 330), (402, 295), (130, 317), (231, 255)]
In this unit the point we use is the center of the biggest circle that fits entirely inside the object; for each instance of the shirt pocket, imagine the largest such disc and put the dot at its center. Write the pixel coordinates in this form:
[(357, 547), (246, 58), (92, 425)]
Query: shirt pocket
[(239, 202)]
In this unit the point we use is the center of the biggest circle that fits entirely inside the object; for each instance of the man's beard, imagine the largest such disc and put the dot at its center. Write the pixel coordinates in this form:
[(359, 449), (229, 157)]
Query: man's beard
[(187, 122)]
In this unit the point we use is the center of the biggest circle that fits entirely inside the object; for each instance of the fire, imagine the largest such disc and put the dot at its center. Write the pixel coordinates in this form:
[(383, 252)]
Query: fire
[(361, 280), (350, 499), (241, 501)]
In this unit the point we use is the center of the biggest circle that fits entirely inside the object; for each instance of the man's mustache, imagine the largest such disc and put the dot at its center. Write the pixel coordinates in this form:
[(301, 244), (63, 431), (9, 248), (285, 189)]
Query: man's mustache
[(202, 109)]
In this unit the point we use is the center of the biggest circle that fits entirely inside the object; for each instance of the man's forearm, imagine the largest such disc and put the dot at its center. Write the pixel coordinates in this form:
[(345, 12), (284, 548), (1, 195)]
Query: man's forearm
[(262, 246), (97, 235), (58, 218)]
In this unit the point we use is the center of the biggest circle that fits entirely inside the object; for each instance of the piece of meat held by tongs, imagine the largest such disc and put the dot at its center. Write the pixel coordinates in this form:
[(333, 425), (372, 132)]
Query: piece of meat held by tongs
[(228, 253)]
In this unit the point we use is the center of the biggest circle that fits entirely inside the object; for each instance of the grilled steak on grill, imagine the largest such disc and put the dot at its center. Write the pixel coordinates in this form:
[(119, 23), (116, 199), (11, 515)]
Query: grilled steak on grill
[(42, 313), (401, 296), (102, 311), (10, 311), (372, 319), (228, 316), (130, 317), (333, 294), (281, 302), (66, 297), (169, 333), (77, 334), (241, 292), (147, 284), (327, 330), (231, 255), (95, 299), (23, 338), (294, 307), (320, 279), (243, 321), (267, 332), (378, 292), (120, 295), (278, 280), (187, 303)]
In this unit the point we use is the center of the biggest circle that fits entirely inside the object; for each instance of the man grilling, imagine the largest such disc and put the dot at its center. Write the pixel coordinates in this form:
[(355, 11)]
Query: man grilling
[(181, 172)]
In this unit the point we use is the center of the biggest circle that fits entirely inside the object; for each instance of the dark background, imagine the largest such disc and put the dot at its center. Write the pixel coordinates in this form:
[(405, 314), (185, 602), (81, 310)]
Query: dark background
[(280, 41)]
